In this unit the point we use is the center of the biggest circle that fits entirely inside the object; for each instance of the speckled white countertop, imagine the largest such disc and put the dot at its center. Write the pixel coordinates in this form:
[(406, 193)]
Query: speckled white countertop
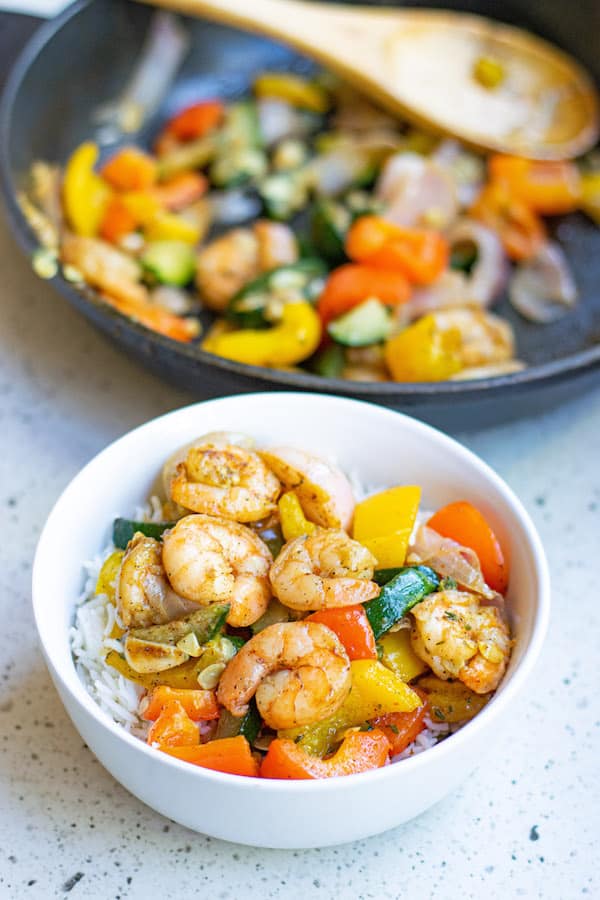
[(524, 825)]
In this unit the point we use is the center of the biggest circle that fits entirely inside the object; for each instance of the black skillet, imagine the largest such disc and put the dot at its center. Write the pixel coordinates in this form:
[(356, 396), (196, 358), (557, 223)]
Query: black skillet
[(81, 59)]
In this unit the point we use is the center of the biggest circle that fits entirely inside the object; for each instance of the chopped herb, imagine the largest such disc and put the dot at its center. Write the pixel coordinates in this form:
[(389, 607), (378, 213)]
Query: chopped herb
[(439, 714), (448, 584), (450, 615), (394, 728), (298, 738)]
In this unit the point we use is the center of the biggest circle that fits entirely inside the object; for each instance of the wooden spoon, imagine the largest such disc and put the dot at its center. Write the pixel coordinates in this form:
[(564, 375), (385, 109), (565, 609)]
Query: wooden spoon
[(421, 64)]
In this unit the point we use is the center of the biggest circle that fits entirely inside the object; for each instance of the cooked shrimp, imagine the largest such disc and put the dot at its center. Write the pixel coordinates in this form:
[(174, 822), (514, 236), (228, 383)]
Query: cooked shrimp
[(224, 479), (105, 268), (323, 490), (485, 338), (459, 638), (277, 245), (323, 569), (144, 595), (226, 265), (417, 191), (299, 672), (210, 560)]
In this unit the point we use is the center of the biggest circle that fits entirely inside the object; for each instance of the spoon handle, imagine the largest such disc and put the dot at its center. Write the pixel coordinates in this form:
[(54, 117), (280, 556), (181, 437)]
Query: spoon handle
[(275, 17)]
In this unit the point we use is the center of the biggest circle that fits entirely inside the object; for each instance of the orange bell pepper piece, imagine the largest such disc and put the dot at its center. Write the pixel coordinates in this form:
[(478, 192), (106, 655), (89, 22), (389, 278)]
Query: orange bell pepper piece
[(195, 120), (181, 190), (353, 628), (463, 523), (402, 728), (423, 352), (173, 728), (198, 704), (130, 170), (350, 284), (156, 318), (360, 751), (548, 188), (232, 755), (520, 229), (419, 253), (117, 221)]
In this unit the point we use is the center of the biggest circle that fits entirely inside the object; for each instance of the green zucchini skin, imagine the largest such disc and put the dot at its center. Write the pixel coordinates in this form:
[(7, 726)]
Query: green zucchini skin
[(329, 224), (205, 623), (247, 725), (330, 362), (368, 323), (250, 313), (399, 594), (124, 530)]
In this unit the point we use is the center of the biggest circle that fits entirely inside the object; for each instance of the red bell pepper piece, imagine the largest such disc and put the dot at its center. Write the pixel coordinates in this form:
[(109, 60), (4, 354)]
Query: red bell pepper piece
[(352, 626)]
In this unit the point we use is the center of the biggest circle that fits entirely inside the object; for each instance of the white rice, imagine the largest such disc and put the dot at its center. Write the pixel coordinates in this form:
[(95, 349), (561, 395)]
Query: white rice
[(118, 697), (95, 617)]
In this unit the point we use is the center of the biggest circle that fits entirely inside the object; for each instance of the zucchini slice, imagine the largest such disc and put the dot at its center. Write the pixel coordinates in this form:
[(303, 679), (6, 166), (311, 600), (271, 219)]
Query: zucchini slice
[(302, 280), (368, 323), (170, 262)]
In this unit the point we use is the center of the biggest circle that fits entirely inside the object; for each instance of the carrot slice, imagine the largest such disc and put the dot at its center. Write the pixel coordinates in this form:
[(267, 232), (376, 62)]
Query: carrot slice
[(360, 751), (230, 755), (463, 523)]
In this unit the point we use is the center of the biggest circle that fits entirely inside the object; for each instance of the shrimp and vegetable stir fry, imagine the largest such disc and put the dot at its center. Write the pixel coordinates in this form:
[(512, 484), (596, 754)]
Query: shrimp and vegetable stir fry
[(302, 226), (274, 625)]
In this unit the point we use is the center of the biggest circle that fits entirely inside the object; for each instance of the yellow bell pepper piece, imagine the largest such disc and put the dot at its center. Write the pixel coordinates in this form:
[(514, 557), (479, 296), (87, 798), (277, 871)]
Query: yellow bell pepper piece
[(399, 656), (295, 338), (422, 352), (142, 205), (375, 691), (384, 522), (107, 576), (85, 194), (590, 195), (182, 676), (293, 521), (451, 701), (293, 89), (169, 227)]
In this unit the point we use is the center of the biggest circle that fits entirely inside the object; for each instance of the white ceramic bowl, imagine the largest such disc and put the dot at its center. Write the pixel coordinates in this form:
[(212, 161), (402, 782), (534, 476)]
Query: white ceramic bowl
[(384, 448)]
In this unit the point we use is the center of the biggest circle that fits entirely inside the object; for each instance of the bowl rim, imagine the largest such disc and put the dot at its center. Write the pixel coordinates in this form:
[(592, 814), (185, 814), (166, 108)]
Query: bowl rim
[(413, 764), (87, 300)]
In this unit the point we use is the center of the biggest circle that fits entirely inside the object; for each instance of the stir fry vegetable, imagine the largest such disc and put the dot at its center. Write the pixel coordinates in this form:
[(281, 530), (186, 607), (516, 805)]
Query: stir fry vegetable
[(304, 198), (324, 652)]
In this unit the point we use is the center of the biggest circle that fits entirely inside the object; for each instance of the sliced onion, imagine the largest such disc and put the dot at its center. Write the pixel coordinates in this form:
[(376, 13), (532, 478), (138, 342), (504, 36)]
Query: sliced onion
[(488, 276), (466, 168), (449, 560), (416, 191), (278, 120), (543, 289), (234, 207), (174, 299)]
